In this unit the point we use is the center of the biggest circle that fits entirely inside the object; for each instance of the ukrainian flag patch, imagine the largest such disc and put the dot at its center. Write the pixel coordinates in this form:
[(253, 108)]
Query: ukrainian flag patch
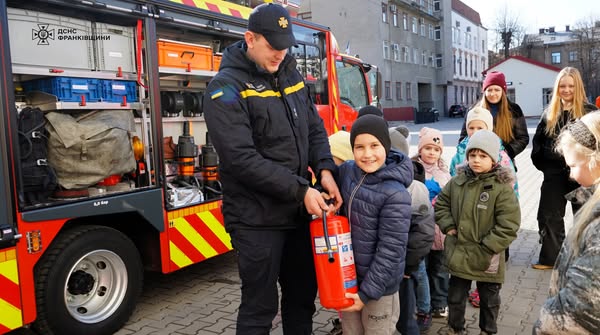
[(216, 94)]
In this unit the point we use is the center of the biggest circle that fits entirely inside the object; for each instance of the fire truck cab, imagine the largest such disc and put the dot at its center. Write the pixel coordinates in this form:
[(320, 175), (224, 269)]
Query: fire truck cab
[(119, 84)]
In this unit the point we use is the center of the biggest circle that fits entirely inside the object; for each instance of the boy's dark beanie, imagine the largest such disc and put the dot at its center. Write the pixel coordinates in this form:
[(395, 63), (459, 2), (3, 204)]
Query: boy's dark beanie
[(369, 110), (374, 125)]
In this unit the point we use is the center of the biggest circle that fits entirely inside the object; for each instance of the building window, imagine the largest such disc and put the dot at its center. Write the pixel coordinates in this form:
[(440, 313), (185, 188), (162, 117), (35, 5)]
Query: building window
[(424, 57), (546, 96), (510, 94), (398, 90), (408, 91), (386, 50), (436, 5), (396, 52), (388, 89), (556, 58), (414, 25), (432, 60), (405, 55), (438, 33), (471, 64), (572, 56), (395, 19), (455, 95), (431, 35), (422, 26), (438, 61), (415, 58), (454, 61), (384, 15), (405, 21)]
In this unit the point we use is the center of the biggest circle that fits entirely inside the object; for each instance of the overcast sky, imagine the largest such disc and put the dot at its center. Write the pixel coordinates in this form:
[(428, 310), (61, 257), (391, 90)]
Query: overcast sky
[(535, 14)]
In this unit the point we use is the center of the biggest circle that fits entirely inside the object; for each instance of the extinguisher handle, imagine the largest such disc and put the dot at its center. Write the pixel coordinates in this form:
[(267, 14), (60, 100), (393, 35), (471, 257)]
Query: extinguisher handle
[(330, 257)]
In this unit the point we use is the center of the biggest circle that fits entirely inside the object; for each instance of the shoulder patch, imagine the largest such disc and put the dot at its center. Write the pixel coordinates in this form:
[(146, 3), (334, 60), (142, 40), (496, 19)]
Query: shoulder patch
[(215, 94)]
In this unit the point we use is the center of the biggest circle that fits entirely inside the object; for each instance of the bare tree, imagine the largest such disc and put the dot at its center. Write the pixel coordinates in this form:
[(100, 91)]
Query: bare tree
[(509, 32), (587, 52)]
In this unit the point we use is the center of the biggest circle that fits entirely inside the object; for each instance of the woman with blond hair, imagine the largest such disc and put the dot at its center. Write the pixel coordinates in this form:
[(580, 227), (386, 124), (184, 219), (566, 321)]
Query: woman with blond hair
[(573, 304), (568, 103)]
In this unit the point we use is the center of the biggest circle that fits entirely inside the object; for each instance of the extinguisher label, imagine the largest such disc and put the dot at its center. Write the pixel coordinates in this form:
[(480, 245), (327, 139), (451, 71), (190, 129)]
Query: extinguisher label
[(321, 246), (345, 247)]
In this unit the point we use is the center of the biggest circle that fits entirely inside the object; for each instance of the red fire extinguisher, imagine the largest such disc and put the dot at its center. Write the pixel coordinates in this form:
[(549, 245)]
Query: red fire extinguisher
[(334, 260)]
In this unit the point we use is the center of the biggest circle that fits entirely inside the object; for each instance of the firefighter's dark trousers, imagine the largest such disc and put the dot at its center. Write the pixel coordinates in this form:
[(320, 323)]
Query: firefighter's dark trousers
[(264, 258), (551, 212)]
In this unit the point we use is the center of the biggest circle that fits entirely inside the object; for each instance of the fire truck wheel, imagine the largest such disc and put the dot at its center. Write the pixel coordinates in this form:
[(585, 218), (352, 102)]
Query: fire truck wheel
[(87, 282)]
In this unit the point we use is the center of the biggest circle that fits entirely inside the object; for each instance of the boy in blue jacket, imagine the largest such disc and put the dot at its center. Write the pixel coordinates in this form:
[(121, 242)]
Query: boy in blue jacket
[(377, 204)]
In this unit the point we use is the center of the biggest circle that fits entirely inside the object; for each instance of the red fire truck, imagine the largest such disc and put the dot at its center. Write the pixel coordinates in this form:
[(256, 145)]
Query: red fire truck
[(73, 253)]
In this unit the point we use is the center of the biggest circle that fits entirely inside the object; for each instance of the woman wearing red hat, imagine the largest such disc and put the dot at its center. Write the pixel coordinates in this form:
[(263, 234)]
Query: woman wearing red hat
[(568, 103), (509, 121)]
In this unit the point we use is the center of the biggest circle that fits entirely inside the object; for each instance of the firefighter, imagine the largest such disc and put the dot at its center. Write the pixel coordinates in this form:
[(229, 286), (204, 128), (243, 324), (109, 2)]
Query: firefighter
[(267, 134)]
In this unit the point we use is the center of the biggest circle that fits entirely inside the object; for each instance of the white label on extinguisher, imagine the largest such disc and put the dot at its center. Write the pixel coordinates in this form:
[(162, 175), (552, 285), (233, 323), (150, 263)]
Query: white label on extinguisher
[(321, 247), (345, 247)]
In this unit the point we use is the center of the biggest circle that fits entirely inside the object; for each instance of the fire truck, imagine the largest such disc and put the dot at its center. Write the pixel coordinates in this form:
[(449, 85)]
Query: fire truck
[(73, 253)]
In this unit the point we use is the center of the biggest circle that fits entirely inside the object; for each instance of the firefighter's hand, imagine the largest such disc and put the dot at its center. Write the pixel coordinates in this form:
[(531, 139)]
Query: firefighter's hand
[(328, 183), (315, 203), (451, 232), (358, 304)]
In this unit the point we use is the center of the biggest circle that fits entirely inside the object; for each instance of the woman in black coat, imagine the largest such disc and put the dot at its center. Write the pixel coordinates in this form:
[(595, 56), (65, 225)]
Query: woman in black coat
[(568, 103), (509, 121)]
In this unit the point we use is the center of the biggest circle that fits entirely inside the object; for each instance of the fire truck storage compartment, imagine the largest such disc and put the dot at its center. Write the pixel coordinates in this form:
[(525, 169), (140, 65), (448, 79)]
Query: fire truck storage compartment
[(67, 88), (115, 90), (43, 39), (115, 48), (184, 55), (216, 61)]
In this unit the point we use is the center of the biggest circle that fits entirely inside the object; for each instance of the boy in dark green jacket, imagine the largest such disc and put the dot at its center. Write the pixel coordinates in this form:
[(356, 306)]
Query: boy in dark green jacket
[(480, 215)]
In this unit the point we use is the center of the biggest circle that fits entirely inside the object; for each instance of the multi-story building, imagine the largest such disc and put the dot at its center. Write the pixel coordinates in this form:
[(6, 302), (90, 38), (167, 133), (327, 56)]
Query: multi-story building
[(577, 48), (469, 55), (425, 59)]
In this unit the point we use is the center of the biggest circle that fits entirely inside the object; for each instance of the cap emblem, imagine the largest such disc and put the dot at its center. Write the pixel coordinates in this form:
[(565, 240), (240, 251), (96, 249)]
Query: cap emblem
[(283, 22)]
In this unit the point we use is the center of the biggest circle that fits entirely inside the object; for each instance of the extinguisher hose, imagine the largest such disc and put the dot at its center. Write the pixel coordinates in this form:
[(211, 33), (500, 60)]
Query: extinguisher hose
[(330, 257)]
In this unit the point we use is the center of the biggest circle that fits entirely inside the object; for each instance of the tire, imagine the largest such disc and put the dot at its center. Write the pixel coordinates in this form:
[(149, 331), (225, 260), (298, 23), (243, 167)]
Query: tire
[(88, 282)]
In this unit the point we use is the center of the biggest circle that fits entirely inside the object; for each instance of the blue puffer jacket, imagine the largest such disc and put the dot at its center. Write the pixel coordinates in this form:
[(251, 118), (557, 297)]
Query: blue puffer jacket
[(378, 207)]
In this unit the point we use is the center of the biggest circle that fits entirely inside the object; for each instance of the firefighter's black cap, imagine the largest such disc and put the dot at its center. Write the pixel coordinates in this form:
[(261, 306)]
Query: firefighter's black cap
[(274, 23)]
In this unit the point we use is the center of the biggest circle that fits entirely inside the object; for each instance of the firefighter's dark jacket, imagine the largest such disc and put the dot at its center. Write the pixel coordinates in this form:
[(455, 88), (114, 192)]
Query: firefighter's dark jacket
[(267, 133)]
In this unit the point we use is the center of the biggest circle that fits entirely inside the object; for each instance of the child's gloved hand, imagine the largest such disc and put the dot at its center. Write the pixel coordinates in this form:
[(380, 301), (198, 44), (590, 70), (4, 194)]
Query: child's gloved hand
[(433, 187)]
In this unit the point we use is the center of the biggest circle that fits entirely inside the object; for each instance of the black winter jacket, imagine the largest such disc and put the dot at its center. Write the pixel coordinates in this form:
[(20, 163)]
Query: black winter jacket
[(519, 128), (267, 134), (378, 208), (543, 155)]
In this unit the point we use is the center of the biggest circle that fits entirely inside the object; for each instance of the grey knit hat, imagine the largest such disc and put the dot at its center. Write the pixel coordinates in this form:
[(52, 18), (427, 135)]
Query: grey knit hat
[(400, 136), (486, 141)]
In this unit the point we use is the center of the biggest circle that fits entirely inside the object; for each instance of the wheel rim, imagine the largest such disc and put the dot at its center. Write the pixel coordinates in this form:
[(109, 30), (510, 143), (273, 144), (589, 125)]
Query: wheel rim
[(96, 286)]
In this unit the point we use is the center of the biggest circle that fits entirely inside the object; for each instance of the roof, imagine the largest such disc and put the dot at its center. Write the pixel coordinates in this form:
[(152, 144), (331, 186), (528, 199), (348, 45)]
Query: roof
[(551, 38), (466, 11), (526, 60)]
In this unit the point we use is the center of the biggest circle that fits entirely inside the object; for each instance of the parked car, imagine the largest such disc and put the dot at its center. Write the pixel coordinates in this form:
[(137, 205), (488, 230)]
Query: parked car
[(457, 110)]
